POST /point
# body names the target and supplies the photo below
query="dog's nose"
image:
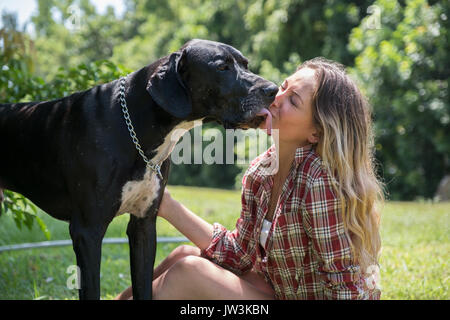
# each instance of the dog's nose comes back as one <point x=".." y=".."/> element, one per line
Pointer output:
<point x="270" y="91"/>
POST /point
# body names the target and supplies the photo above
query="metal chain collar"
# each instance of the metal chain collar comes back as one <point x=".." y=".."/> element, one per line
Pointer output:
<point x="155" y="167"/>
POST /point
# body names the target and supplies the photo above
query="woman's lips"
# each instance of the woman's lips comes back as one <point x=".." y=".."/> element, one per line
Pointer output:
<point x="268" y="119"/>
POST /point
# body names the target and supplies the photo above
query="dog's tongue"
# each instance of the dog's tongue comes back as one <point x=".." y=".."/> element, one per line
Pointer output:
<point x="268" y="121"/>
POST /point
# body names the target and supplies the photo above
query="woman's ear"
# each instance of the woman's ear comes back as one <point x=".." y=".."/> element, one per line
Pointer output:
<point x="314" y="137"/>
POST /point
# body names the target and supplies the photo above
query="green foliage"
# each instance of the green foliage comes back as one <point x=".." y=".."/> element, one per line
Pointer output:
<point x="16" y="60"/>
<point x="405" y="69"/>
<point x="82" y="77"/>
<point x="23" y="212"/>
<point x="275" y="35"/>
<point x="70" y="33"/>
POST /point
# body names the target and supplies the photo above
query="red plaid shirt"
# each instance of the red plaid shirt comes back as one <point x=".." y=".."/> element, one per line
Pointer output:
<point x="307" y="253"/>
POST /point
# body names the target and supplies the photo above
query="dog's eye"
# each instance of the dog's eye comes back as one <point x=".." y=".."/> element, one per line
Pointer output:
<point x="223" y="67"/>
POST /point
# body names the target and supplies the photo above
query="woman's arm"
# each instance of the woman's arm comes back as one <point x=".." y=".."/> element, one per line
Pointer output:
<point x="196" y="229"/>
<point x="226" y="248"/>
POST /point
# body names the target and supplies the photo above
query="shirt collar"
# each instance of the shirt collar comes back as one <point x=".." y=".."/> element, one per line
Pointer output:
<point x="302" y="152"/>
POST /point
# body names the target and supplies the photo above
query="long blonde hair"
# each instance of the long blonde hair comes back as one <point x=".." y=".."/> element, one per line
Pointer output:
<point x="346" y="145"/>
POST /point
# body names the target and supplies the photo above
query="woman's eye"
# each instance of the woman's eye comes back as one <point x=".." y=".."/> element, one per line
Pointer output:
<point x="291" y="99"/>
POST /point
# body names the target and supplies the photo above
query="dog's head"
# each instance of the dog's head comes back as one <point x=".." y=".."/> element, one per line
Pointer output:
<point x="207" y="79"/>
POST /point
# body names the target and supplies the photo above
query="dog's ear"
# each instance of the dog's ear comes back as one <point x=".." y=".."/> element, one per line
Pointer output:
<point x="167" y="88"/>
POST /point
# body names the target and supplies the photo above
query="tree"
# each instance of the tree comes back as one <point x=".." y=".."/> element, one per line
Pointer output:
<point x="69" y="33"/>
<point x="404" y="68"/>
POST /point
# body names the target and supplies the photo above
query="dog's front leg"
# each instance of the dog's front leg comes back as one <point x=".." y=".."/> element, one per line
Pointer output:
<point x="87" y="244"/>
<point x="142" y="239"/>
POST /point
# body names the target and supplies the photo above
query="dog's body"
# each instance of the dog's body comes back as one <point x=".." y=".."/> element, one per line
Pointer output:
<point x="74" y="157"/>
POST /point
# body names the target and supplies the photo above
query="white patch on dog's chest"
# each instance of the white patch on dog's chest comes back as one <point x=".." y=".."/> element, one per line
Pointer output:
<point x="138" y="195"/>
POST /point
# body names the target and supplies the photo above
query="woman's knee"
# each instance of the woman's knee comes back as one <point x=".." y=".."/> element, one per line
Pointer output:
<point x="180" y="252"/>
<point x="178" y="278"/>
<point x="190" y="264"/>
<point x="185" y="250"/>
<point x="190" y="269"/>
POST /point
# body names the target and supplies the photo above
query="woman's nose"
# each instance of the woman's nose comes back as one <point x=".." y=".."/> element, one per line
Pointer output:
<point x="276" y="102"/>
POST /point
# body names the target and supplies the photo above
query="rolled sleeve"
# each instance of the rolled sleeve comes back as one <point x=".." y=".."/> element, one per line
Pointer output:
<point x="226" y="249"/>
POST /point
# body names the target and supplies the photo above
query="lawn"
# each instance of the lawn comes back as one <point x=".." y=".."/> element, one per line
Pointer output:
<point x="414" y="261"/>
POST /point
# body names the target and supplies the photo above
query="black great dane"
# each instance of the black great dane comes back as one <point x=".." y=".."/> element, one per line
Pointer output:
<point x="75" y="157"/>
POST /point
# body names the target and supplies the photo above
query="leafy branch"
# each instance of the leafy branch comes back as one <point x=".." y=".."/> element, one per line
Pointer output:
<point x="23" y="212"/>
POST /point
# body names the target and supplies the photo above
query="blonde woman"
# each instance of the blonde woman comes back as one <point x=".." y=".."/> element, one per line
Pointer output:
<point x="309" y="231"/>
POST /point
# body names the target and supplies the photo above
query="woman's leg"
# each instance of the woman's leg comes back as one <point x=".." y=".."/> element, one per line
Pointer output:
<point x="194" y="277"/>
<point x="195" y="274"/>
<point x="177" y="254"/>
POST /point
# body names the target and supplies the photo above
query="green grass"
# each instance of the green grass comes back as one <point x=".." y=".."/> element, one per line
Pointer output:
<point x="414" y="261"/>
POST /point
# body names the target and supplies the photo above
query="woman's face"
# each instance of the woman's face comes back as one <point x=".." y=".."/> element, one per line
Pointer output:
<point x="292" y="109"/>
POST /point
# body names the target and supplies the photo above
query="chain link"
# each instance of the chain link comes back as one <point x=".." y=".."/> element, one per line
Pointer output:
<point x="123" y="103"/>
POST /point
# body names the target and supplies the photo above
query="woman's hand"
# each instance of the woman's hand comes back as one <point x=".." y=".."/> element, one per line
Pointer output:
<point x="184" y="220"/>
